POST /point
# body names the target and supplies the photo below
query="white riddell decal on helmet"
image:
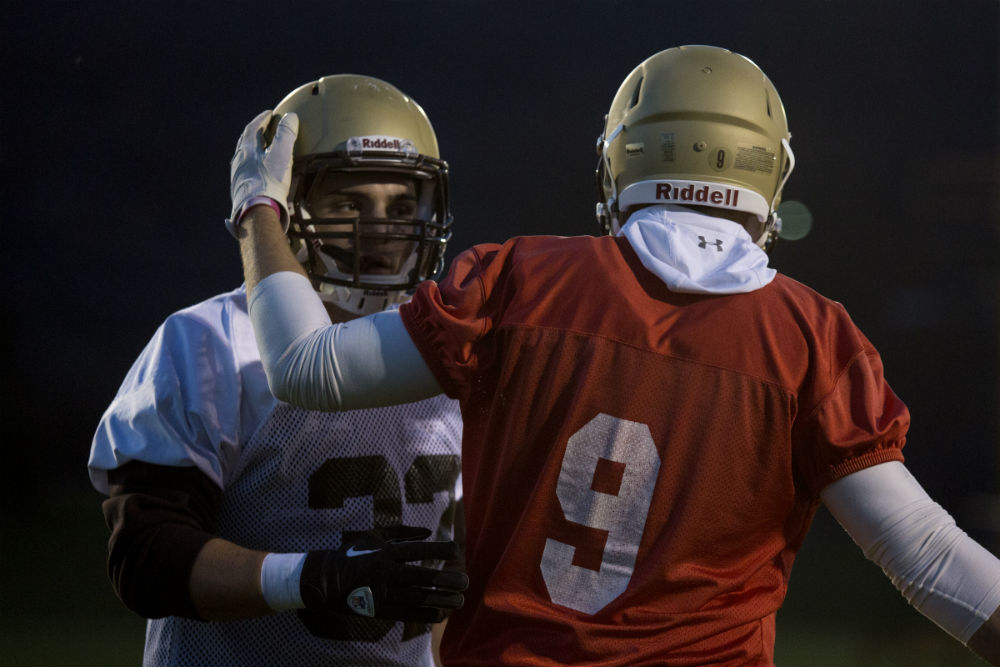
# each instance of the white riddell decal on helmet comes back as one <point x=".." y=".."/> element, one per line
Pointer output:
<point x="728" y="197"/>
<point x="381" y="143"/>
<point x="694" y="193"/>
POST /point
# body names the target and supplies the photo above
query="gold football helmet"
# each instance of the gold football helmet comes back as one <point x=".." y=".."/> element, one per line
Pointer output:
<point x="362" y="128"/>
<point x="699" y="126"/>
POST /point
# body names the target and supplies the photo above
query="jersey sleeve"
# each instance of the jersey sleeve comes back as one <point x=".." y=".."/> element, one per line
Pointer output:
<point x="178" y="405"/>
<point x="856" y="421"/>
<point x="448" y="321"/>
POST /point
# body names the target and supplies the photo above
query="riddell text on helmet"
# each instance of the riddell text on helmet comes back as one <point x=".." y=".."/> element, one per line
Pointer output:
<point x="728" y="197"/>
<point x="382" y="143"/>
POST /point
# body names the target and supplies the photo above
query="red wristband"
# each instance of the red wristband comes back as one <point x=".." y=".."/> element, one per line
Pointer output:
<point x="260" y="200"/>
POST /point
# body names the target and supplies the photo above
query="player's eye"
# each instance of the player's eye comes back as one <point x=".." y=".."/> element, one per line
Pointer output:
<point x="338" y="208"/>
<point x="403" y="209"/>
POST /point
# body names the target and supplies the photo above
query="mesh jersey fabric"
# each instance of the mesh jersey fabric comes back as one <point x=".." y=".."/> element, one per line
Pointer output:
<point x="293" y="480"/>
<point x="644" y="464"/>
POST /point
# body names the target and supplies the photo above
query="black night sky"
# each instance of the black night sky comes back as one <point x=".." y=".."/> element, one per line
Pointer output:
<point x="119" y="119"/>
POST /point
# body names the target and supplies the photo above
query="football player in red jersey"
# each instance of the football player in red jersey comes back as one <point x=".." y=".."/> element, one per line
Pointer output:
<point x="227" y="504"/>
<point x="651" y="417"/>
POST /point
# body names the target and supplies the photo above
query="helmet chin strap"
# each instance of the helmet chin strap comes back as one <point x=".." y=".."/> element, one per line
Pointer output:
<point x="607" y="211"/>
<point x="772" y="227"/>
<point x="788" y="172"/>
<point x="765" y="240"/>
<point x="358" y="301"/>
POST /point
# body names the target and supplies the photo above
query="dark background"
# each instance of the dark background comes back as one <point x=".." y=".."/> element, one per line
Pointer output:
<point x="119" y="120"/>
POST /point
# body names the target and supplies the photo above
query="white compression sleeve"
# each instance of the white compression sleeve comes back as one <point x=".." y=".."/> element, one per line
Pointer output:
<point x="364" y="363"/>
<point x="940" y="570"/>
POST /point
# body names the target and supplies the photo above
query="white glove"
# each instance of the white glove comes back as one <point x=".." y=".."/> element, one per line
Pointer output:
<point x="257" y="170"/>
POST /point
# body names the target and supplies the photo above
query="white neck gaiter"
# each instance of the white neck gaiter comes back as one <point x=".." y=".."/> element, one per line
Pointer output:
<point x="695" y="253"/>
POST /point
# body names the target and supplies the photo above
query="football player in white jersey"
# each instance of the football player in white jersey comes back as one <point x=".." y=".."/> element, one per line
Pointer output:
<point x="250" y="531"/>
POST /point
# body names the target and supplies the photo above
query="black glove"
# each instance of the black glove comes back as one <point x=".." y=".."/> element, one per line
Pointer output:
<point x="370" y="576"/>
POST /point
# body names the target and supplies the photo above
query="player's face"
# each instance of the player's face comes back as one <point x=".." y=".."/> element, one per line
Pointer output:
<point x="372" y="197"/>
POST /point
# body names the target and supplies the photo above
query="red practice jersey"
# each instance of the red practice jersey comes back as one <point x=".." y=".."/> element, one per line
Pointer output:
<point x="640" y="466"/>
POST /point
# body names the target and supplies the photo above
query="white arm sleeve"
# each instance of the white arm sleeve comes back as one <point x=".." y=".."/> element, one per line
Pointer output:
<point x="364" y="363"/>
<point x="939" y="569"/>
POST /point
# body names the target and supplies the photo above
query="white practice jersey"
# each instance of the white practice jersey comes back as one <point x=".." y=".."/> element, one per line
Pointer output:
<point x="292" y="480"/>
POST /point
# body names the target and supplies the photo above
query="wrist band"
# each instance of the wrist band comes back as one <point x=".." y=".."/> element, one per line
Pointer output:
<point x="279" y="581"/>
<point x="257" y="201"/>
